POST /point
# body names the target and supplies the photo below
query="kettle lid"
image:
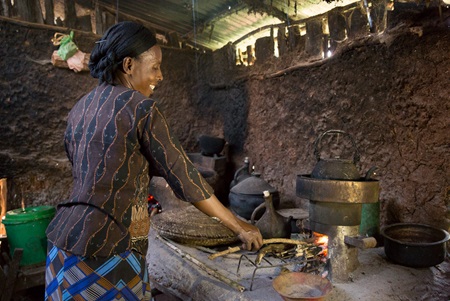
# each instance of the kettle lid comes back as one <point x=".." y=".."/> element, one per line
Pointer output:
<point x="253" y="185"/>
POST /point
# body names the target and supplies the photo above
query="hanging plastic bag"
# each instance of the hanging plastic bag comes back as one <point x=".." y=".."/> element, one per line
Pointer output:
<point x="67" y="46"/>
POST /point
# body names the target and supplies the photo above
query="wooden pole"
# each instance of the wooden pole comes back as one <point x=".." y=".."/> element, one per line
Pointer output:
<point x="211" y="271"/>
<point x="3" y="195"/>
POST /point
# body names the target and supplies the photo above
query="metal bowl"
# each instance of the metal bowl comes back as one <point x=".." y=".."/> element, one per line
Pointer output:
<point x="301" y="286"/>
<point x="415" y="245"/>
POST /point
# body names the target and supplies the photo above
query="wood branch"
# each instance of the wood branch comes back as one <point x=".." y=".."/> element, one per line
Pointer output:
<point x="70" y="20"/>
<point x="204" y="267"/>
<point x="3" y="203"/>
<point x="283" y="241"/>
<point x="225" y="252"/>
<point x="347" y="46"/>
<point x="361" y="242"/>
<point x="6" y="8"/>
<point x="49" y="12"/>
<point x="265" y="242"/>
<point x="29" y="10"/>
<point x="43" y="26"/>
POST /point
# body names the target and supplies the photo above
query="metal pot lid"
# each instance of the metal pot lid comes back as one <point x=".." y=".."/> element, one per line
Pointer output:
<point x="253" y="185"/>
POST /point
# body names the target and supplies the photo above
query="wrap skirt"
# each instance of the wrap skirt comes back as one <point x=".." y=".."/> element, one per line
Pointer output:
<point x="119" y="277"/>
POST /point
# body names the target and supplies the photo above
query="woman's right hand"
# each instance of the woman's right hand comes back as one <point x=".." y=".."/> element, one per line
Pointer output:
<point x="247" y="233"/>
<point x="250" y="236"/>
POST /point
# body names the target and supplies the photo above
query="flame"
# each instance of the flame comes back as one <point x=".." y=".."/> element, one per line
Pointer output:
<point x="322" y="241"/>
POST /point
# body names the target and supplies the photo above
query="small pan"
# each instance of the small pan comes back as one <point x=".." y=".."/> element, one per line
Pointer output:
<point x="293" y="286"/>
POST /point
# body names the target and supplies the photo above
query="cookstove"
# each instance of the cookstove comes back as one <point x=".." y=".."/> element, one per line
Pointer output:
<point x="336" y="194"/>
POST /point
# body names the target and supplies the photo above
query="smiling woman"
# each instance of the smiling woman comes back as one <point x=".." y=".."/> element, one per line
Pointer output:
<point x="116" y="139"/>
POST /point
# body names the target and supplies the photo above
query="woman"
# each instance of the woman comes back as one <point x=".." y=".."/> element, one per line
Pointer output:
<point x="116" y="138"/>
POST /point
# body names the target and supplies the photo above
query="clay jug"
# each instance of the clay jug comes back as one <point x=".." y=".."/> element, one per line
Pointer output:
<point x="271" y="224"/>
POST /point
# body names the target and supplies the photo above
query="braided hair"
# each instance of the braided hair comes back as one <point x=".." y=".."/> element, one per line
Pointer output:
<point x="124" y="39"/>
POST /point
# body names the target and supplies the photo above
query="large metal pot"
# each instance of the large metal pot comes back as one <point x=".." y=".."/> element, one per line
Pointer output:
<point x="415" y="245"/>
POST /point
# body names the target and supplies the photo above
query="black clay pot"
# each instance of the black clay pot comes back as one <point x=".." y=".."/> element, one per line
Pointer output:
<point x="415" y="245"/>
<point x="211" y="145"/>
<point x="248" y="194"/>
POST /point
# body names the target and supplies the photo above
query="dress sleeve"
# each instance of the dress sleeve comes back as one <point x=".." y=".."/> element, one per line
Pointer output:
<point x="164" y="152"/>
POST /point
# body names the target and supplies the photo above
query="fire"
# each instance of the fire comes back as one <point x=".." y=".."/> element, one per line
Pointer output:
<point x="322" y="241"/>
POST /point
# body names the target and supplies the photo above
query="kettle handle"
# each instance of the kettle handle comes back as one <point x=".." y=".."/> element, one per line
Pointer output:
<point x="356" y="155"/>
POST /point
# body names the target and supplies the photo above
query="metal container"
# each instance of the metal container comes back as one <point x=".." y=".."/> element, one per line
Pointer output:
<point x="415" y="245"/>
<point x="335" y="168"/>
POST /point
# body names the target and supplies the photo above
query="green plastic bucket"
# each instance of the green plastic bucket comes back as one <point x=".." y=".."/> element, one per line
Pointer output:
<point x="25" y="229"/>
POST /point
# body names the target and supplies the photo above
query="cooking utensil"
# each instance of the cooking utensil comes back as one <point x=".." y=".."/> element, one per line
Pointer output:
<point x="246" y="195"/>
<point x="271" y="224"/>
<point x="335" y="168"/>
<point x="415" y="245"/>
<point x="294" y="286"/>
<point x="211" y="145"/>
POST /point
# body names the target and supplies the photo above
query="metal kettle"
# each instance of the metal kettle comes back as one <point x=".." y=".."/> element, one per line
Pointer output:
<point x="335" y="168"/>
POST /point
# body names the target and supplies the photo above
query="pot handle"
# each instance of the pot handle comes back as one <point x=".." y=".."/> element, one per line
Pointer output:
<point x="241" y="169"/>
<point x="252" y="218"/>
<point x="356" y="155"/>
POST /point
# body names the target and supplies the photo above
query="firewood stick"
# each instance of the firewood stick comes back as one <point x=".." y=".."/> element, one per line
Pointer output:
<point x="204" y="267"/>
<point x="225" y="252"/>
<point x="265" y="241"/>
<point x="3" y="203"/>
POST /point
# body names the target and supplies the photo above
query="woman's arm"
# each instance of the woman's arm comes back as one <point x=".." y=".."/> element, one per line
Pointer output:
<point x="248" y="234"/>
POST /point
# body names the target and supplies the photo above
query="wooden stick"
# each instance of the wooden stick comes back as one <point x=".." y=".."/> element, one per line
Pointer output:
<point x="283" y="241"/>
<point x="204" y="267"/>
<point x="265" y="242"/>
<point x="225" y="252"/>
<point x="3" y="203"/>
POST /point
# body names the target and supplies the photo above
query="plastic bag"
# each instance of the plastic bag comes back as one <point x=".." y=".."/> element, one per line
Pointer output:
<point x="67" y="47"/>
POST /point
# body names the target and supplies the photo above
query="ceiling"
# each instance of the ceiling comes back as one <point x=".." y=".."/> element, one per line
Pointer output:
<point x="211" y="24"/>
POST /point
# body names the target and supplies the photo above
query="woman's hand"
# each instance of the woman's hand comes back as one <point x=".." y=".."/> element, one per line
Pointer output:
<point x="250" y="236"/>
<point x="247" y="233"/>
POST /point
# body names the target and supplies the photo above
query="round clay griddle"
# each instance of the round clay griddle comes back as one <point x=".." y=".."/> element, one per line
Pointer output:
<point x="188" y="225"/>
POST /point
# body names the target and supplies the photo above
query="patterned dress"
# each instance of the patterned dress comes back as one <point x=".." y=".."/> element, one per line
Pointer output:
<point x="116" y="138"/>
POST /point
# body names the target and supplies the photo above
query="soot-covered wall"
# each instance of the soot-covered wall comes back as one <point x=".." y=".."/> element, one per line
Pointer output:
<point x="390" y="92"/>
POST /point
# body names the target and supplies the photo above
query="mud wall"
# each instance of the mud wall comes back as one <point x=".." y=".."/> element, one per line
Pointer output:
<point x="390" y="92"/>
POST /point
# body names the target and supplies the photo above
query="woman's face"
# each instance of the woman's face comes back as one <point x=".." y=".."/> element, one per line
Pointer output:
<point x="144" y="71"/>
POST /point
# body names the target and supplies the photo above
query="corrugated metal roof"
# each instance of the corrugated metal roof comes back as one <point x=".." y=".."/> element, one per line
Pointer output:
<point x="212" y="24"/>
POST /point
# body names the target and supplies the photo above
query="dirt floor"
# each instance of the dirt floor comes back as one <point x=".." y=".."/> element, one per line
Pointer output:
<point x="377" y="279"/>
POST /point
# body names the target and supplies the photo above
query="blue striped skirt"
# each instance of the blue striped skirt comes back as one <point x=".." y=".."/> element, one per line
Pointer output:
<point x="71" y="277"/>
